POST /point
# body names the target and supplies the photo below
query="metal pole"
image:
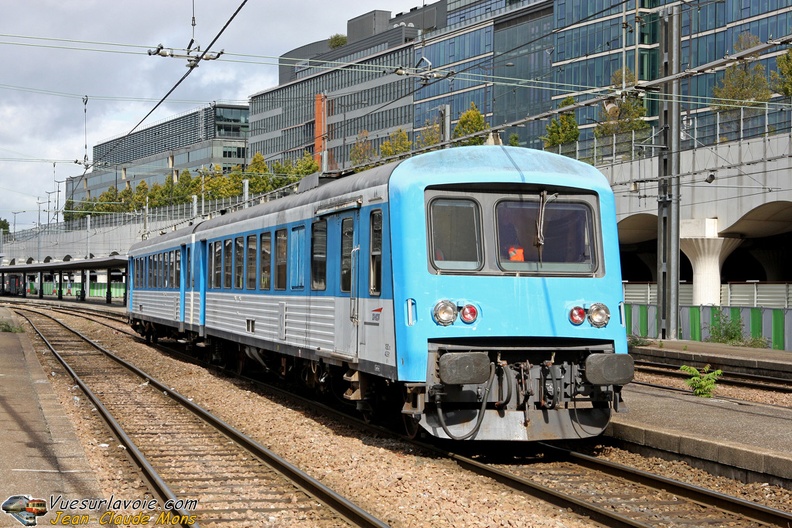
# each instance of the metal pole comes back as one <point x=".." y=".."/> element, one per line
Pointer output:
<point x="668" y="184"/>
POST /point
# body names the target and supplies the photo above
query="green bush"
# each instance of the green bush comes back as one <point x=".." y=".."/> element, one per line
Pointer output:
<point x="5" y="326"/>
<point x="702" y="382"/>
<point x="730" y="331"/>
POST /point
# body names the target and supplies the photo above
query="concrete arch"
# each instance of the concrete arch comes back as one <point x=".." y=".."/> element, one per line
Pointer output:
<point x="769" y="219"/>
<point x="637" y="228"/>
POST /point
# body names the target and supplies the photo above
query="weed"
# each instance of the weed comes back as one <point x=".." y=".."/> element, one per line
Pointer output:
<point x="730" y="331"/>
<point x="5" y="326"/>
<point x="636" y="340"/>
<point x="702" y="382"/>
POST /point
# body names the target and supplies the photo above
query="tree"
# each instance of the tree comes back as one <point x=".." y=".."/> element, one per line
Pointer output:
<point x="622" y="114"/>
<point x="743" y="84"/>
<point x="564" y="129"/>
<point x="4" y="228"/>
<point x="470" y="122"/>
<point x="336" y="41"/>
<point x="397" y="143"/>
<point x="430" y="135"/>
<point x="362" y="152"/>
<point x="514" y="140"/>
<point x="782" y="79"/>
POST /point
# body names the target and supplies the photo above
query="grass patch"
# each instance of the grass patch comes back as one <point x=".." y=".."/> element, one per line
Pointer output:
<point x="5" y="326"/>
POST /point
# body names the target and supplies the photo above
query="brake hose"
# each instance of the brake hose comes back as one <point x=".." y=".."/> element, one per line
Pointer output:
<point x="479" y="420"/>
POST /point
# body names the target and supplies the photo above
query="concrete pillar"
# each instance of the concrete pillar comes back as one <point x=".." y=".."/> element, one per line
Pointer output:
<point x="706" y="251"/>
<point x="706" y="257"/>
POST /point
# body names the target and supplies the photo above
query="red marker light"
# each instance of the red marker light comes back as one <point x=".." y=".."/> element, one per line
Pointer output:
<point x="577" y="315"/>
<point x="469" y="313"/>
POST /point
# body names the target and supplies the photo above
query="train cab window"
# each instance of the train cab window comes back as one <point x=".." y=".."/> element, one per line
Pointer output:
<point x="281" y="246"/>
<point x="228" y="261"/>
<point x="239" y="262"/>
<point x="265" y="258"/>
<point x="250" y="267"/>
<point x="455" y="241"/>
<point x="319" y="255"/>
<point x="375" y="253"/>
<point x="545" y="235"/>
<point x="347" y="245"/>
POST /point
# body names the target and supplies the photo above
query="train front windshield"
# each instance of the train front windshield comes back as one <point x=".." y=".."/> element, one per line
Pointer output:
<point x="538" y="233"/>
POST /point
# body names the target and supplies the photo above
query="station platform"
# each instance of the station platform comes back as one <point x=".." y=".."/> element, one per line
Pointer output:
<point x="751" y="440"/>
<point x="42" y="456"/>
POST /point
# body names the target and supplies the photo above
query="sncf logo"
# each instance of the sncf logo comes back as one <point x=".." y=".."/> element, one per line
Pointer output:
<point x="375" y="314"/>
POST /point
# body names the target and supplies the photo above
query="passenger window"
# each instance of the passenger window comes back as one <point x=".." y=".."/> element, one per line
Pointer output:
<point x="455" y="240"/>
<point x="251" y="262"/>
<point x="188" y="272"/>
<point x="375" y="253"/>
<point x="297" y="260"/>
<point x="177" y="270"/>
<point x="239" y="262"/>
<point x="217" y="263"/>
<point x="280" y="259"/>
<point x="265" y="250"/>
<point x="319" y="255"/>
<point x="347" y="245"/>
<point x="227" y="262"/>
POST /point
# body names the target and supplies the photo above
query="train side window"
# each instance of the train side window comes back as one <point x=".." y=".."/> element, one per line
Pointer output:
<point x="375" y="253"/>
<point x="265" y="249"/>
<point x="217" y="260"/>
<point x="347" y="244"/>
<point x="297" y="258"/>
<point x="150" y="281"/>
<point x="188" y="272"/>
<point x="455" y="234"/>
<point x="167" y="269"/>
<point x="177" y="270"/>
<point x="281" y="253"/>
<point x="227" y="262"/>
<point x="160" y="270"/>
<point x="250" y="268"/>
<point x="319" y="255"/>
<point x="239" y="262"/>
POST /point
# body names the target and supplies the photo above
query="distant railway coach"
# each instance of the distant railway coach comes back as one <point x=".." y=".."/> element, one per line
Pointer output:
<point x="475" y="290"/>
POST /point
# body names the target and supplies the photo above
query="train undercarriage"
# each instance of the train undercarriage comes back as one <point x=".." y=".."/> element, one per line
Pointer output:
<point x="501" y="392"/>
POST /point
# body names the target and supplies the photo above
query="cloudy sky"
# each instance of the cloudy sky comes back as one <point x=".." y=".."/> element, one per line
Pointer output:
<point x="55" y="53"/>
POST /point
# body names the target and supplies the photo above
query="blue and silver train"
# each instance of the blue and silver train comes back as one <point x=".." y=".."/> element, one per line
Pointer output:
<point x="475" y="290"/>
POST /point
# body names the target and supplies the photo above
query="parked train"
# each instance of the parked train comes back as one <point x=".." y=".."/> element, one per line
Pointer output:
<point x="477" y="290"/>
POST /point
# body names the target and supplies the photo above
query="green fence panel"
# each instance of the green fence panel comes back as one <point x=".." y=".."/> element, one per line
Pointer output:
<point x="643" y="320"/>
<point x="756" y="322"/>
<point x="695" y="323"/>
<point x="778" y="337"/>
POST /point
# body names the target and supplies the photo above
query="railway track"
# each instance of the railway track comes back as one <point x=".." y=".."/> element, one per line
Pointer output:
<point x="208" y="472"/>
<point x="615" y="495"/>
<point x="619" y="496"/>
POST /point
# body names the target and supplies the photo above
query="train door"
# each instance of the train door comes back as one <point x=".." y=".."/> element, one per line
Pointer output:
<point x="347" y="284"/>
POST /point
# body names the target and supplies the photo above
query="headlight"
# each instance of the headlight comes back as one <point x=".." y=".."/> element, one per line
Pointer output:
<point x="445" y="312"/>
<point x="598" y="315"/>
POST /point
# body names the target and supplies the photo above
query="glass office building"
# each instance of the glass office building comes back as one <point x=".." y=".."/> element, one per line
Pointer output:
<point x="215" y="135"/>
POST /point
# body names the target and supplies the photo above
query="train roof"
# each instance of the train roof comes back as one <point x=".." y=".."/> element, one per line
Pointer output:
<point x="528" y="165"/>
<point x="347" y="184"/>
